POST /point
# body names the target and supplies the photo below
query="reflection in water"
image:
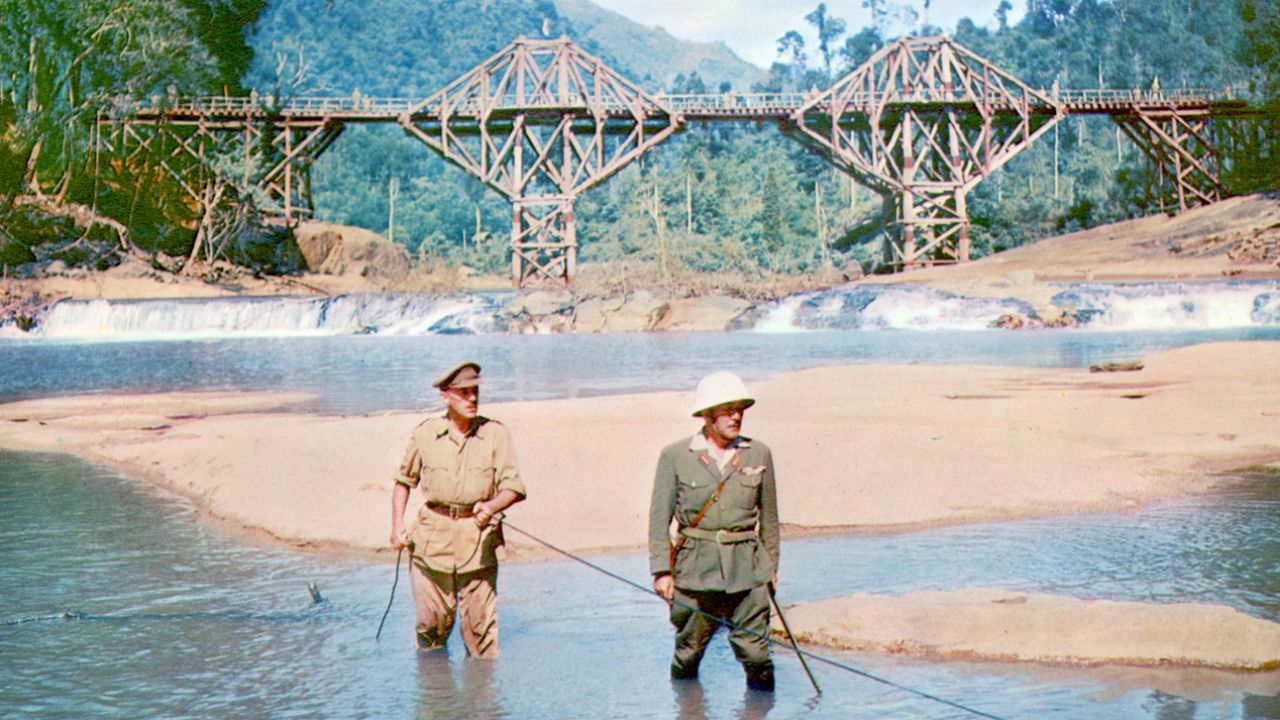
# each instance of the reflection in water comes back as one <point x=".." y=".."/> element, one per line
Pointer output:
<point x="467" y="689"/>
<point x="692" y="704"/>
<point x="192" y="624"/>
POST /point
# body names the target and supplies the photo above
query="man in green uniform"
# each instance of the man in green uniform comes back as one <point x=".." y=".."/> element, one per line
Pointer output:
<point x="719" y="488"/>
<point x="465" y="465"/>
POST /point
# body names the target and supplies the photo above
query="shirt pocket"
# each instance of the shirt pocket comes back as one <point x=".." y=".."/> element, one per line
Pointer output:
<point x="746" y="489"/>
<point x="692" y="492"/>
<point x="479" y="483"/>
<point x="435" y="475"/>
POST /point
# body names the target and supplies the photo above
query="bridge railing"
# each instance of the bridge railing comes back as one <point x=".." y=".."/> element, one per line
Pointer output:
<point x="685" y="103"/>
<point x="1116" y="95"/>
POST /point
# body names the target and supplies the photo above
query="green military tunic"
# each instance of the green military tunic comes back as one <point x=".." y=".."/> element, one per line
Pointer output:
<point x="735" y="546"/>
<point x="465" y="473"/>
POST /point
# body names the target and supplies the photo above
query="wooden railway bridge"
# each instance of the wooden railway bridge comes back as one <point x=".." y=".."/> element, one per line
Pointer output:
<point x="923" y="121"/>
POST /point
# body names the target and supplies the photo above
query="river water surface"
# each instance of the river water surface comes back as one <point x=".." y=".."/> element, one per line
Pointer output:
<point x="117" y="602"/>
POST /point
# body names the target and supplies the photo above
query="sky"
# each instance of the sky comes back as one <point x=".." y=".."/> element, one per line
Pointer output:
<point x="751" y="28"/>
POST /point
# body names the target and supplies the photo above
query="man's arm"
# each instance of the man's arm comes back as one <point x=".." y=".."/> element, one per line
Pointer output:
<point x="510" y="488"/>
<point x="769" y="513"/>
<point x="399" y="498"/>
<point x="486" y="509"/>
<point x="661" y="510"/>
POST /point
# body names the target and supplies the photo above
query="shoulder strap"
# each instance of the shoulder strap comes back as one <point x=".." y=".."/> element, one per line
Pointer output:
<point x="680" y="538"/>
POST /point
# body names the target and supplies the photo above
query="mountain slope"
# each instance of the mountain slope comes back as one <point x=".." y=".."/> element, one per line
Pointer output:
<point x="653" y="54"/>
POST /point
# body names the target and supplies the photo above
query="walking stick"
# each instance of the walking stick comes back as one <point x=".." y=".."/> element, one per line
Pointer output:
<point x="390" y="600"/>
<point x="794" y="645"/>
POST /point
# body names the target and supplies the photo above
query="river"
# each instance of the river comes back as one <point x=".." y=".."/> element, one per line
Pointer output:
<point x="119" y="602"/>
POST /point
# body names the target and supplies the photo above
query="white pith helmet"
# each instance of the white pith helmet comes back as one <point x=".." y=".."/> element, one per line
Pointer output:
<point x="720" y="388"/>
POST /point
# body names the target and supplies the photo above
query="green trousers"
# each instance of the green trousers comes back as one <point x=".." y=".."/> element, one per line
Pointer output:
<point x="748" y="610"/>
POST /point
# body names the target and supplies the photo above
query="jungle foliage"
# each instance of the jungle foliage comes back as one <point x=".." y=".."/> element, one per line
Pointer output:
<point x="737" y="198"/>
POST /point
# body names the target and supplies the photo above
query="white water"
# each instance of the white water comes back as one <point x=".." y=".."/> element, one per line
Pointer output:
<point x="1166" y="306"/>
<point x="1146" y="306"/>
<point x="270" y="317"/>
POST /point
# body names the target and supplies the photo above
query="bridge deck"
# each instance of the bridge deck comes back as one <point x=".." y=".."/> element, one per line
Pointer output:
<point x="692" y="107"/>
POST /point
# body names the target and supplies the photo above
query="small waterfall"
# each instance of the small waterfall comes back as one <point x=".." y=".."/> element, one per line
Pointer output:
<point x="884" y="307"/>
<point x="1172" y="306"/>
<point x="271" y="316"/>
<point x="1097" y="306"/>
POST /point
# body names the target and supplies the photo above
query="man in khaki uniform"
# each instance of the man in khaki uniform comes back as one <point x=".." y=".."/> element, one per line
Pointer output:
<point x="465" y="465"/>
<point x="727" y="547"/>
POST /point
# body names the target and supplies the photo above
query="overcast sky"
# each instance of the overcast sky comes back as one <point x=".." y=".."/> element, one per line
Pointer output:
<point x="751" y="28"/>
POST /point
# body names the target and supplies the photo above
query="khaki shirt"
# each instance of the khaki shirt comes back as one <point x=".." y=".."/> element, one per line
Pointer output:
<point x="444" y="470"/>
<point x="686" y="478"/>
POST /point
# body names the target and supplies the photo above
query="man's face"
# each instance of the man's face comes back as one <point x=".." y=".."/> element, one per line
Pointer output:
<point x="724" y="422"/>
<point x="462" y="402"/>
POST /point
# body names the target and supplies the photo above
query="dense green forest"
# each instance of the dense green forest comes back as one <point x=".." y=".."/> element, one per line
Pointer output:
<point x="728" y="197"/>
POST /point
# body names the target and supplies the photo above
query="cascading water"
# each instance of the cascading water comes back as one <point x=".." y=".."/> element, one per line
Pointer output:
<point x="885" y="307"/>
<point x="1163" y="306"/>
<point x="1097" y="306"/>
<point x="265" y="317"/>
<point x="1140" y="306"/>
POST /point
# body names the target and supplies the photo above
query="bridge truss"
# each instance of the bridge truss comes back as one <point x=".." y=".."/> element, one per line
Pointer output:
<point x="923" y="121"/>
<point x="541" y="122"/>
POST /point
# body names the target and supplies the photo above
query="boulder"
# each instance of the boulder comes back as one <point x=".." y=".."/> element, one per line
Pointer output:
<point x="538" y="312"/>
<point x="331" y="249"/>
<point x="639" y="311"/>
<point x="715" y="312"/>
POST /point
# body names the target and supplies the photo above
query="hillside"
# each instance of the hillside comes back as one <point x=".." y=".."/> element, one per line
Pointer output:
<point x="652" y="53"/>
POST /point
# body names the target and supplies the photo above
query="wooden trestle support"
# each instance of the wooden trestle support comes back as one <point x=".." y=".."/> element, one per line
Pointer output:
<point x="1184" y="167"/>
<point x="233" y="140"/>
<point x="923" y="121"/>
<point x="541" y="122"/>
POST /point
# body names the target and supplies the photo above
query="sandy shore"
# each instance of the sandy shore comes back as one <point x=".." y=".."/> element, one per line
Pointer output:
<point x="858" y="448"/>
<point x="985" y="624"/>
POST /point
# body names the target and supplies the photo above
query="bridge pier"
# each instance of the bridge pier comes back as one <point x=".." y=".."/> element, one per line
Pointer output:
<point x="1183" y="159"/>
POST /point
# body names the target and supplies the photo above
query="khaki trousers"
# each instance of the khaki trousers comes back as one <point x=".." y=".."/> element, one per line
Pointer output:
<point x="440" y="596"/>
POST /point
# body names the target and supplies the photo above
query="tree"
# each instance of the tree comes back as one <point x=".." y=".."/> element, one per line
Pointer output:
<point x="64" y="60"/>
<point x="829" y="31"/>
<point x="791" y="50"/>
<point x="1002" y="14"/>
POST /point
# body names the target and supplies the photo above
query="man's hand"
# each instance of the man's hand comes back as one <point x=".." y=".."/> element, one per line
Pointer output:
<point x="399" y="538"/>
<point x="664" y="586"/>
<point x="483" y="513"/>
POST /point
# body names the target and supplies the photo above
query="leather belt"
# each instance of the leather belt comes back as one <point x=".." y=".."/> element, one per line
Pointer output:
<point x="720" y="537"/>
<point x="453" y="511"/>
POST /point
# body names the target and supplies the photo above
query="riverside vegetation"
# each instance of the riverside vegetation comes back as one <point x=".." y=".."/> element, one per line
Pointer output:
<point x="729" y="207"/>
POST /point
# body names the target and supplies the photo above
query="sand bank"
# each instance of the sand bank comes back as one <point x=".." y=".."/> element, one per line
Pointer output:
<point x="984" y="624"/>
<point x="857" y="447"/>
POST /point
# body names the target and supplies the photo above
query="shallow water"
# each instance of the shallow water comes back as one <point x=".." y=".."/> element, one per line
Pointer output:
<point x="355" y="374"/>
<point x="181" y="620"/>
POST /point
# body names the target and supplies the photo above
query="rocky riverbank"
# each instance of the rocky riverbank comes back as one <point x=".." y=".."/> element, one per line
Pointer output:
<point x="1236" y="239"/>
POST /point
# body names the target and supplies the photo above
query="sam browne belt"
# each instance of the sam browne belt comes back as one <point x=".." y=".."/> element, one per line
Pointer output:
<point x="722" y="537"/>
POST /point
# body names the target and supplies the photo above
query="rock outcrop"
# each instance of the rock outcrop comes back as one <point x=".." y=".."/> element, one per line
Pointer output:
<point x="331" y="249"/>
